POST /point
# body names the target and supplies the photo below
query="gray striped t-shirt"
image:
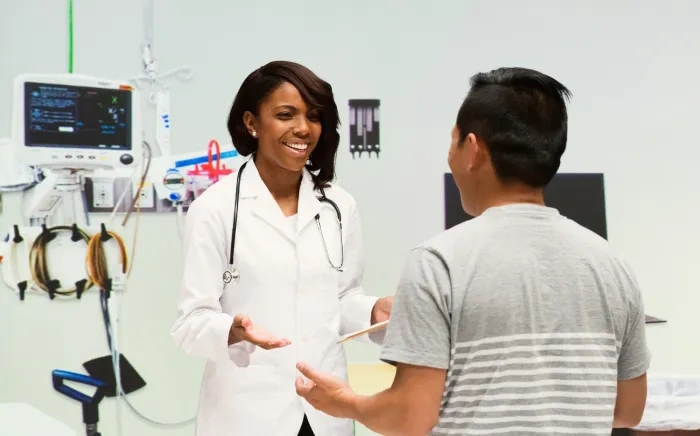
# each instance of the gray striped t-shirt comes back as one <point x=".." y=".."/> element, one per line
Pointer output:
<point x="534" y="318"/>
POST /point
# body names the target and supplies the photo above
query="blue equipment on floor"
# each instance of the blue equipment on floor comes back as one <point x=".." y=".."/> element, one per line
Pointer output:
<point x="90" y="403"/>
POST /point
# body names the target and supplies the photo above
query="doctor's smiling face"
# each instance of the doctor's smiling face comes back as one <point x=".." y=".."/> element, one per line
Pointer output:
<point x="287" y="116"/>
<point x="287" y="128"/>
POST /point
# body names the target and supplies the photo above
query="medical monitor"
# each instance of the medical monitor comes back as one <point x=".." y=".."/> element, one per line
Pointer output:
<point x="578" y="196"/>
<point x="75" y="121"/>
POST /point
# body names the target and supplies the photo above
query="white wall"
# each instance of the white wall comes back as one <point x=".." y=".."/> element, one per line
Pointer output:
<point x="632" y="67"/>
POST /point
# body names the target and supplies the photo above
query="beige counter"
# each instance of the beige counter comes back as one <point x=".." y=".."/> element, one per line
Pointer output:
<point x="368" y="379"/>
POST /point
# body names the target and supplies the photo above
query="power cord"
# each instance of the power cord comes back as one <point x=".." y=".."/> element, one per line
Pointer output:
<point x="148" y="157"/>
<point x="98" y="271"/>
<point x="111" y="334"/>
<point x="112" y="340"/>
<point x="137" y="198"/>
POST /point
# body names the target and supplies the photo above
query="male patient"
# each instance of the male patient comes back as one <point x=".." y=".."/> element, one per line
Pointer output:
<point x="518" y="321"/>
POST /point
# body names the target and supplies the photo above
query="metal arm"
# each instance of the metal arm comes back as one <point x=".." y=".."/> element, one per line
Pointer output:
<point x="57" y="200"/>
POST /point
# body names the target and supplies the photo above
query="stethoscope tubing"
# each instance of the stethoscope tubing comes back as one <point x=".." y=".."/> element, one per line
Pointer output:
<point x="322" y="198"/>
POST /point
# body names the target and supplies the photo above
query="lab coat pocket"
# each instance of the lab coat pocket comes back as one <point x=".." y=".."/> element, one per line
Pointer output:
<point x="261" y="379"/>
<point x="247" y="400"/>
<point x="230" y="381"/>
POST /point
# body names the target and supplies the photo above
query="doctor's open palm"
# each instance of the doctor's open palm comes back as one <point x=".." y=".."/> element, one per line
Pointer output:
<point x="243" y="329"/>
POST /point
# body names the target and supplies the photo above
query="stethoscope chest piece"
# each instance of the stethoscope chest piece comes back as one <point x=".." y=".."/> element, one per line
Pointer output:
<point x="232" y="275"/>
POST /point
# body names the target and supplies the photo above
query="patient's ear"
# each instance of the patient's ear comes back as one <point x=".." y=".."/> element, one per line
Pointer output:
<point x="477" y="153"/>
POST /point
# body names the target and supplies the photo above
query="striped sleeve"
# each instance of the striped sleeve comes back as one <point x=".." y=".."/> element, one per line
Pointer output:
<point x="419" y="327"/>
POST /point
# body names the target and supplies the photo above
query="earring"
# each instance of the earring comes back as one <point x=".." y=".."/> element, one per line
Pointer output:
<point x="255" y="134"/>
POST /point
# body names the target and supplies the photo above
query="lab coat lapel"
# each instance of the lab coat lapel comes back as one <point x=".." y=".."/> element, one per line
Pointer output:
<point x="309" y="205"/>
<point x="264" y="207"/>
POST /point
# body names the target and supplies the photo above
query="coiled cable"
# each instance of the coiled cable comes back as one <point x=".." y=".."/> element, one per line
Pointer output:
<point x="39" y="267"/>
<point x="96" y="260"/>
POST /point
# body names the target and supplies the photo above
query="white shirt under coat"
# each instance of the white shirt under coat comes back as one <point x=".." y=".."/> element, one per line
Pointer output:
<point x="286" y="286"/>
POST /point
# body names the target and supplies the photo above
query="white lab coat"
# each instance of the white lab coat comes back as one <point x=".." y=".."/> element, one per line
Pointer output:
<point x="286" y="286"/>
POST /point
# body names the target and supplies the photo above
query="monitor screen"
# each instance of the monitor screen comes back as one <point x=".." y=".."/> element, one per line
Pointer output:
<point x="578" y="196"/>
<point x="67" y="116"/>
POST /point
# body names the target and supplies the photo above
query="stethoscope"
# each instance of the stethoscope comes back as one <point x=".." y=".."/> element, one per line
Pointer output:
<point x="232" y="273"/>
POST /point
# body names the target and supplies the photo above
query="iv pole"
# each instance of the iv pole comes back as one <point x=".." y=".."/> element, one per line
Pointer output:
<point x="152" y="76"/>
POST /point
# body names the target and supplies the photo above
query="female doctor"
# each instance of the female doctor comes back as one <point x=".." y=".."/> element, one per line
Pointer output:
<point x="286" y="284"/>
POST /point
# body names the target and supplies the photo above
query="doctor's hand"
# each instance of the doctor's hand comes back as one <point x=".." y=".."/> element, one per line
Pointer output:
<point x="243" y="329"/>
<point x="325" y="392"/>
<point x="382" y="310"/>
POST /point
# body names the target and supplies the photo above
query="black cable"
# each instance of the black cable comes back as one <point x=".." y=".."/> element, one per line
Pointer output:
<point x="104" y="303"/>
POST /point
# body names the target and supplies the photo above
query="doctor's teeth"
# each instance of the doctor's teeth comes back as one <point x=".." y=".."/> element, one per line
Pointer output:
<point x="297" y="146"/>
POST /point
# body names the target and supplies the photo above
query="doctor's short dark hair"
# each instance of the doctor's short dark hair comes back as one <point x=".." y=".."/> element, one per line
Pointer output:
<point x="317" y="94"/>
<point x="520" y="115"/>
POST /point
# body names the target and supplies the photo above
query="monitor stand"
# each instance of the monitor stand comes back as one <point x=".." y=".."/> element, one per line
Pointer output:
<point x="59" y="199"/>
